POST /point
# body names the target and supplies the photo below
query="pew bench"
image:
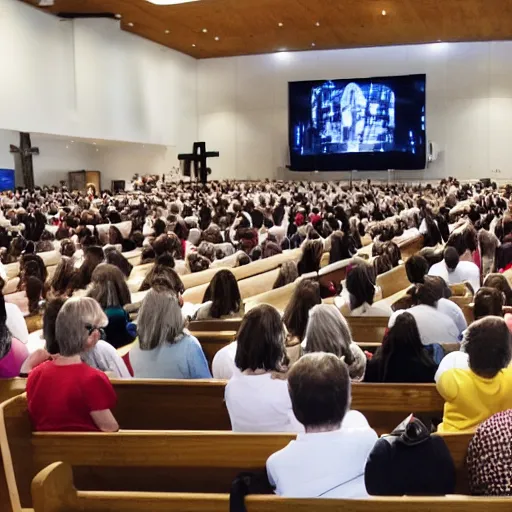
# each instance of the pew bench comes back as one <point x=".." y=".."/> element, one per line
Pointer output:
<point x="53" y="490"/>
<point x="179" y="461"/>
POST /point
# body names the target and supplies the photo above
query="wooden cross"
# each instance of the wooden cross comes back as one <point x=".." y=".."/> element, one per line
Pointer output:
<point x="198" y="157"/>
<point x="26" y="151"/>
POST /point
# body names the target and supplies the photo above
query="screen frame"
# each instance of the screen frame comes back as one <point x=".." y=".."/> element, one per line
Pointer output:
<point x="366" y="161"/>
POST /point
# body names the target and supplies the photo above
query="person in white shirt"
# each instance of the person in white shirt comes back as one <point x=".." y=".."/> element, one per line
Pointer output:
<point x="454" y="271"/>
<point x="361" y="289"/>
<point x="328" y="460"/>
<point x="16" y="322"/>
<point x="434" y="326"/>
<point x="257" y="396"/>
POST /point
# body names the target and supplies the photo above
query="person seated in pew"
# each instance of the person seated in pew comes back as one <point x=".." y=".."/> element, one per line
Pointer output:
<point x="434" y="326"/>
<point x="165" y="349"/>
<point x="416" y="268"/>
<point x="401" y="357"/>
<point x="222" y="298"/>
<point x="343" y="247"/>
<point x="102" y="356"/>
<point x="288" y="273"/>
<point x="64" y="281"/>
<point x="361" y="289"/>
<point x="489" y="459"/>
<point x="13" y="352"/>
<point x="257" y="396"/>
<point x="454" y="271"/>
<point x="109" y="288"/>
<point x="474" y="394"/>
<point x="311" y="257"/>
<point x="446" y="306"/>
<point x="500" y="283"/>
<point x="65" y="394"/>
<point x="328" y="460"/>
<point x="93" y="257"/>
<point x="296" y="315"/>
<point x="328" y="331"/>
<point x="15" y="320"/>
<point x="114" y="257"/>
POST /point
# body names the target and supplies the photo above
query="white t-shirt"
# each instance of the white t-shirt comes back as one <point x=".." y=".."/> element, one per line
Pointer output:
<point x="452" y="310"/>
<point x="223" y="365"/>
<point x="434" y="326"/>
<point x="260" y="403"/>
<point x="16" y="323"/>
<point x="327" y="464"/>
<point x="465" y="271"/>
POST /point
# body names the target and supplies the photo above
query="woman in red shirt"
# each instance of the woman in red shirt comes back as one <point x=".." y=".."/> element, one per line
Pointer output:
<point x="65" y="394"/>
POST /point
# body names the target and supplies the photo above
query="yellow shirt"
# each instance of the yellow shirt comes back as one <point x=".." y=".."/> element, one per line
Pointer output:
<point x="470" y="399"/>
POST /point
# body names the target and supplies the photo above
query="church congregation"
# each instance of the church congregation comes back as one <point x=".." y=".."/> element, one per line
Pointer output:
<point x="255" y="256"/>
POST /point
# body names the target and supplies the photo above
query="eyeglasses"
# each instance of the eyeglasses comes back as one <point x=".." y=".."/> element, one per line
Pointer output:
<point x="91" y="328"/>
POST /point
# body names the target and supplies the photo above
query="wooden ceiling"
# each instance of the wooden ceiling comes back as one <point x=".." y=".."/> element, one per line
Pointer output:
<point x="253" y="26"/>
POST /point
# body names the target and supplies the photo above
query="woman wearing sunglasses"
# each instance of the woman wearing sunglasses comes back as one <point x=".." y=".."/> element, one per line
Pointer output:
<point x="64" y="393"/>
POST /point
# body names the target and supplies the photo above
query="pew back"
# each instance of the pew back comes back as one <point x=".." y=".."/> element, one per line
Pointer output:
<point x="53" y="491"/>
<point x="393" y="281"/>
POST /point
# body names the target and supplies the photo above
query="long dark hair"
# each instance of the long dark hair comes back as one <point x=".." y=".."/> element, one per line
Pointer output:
<point x="296" y="314"/>
<point x="361" y="285"/>
<point x="311" y="257"/>
<point x="402" y="339"/>
<point x="225" y="294"/>
<point x="342" y="247"/>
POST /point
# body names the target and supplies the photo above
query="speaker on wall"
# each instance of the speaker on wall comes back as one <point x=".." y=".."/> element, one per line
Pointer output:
<point x="118" y="185"/>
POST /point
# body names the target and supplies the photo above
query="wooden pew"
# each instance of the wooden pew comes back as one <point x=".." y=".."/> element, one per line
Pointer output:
<point x="150" y="461"/>
<point x="213" y="341"/>
<point x="53" y="490"/>
<point x="410" y="247"/>
<point x="393" y="281"/>
<point x="254" y="285"/>
<point x="368" y="329"/>
<point x="278" y="298"/>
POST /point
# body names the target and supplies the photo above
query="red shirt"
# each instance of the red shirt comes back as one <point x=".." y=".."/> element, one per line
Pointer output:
<point x="61" y="398"/>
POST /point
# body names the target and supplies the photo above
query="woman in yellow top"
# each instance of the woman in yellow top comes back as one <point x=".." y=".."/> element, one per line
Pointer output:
<point x="485" y="388"/>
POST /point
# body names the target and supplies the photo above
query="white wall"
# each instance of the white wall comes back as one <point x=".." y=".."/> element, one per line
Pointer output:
<point x="87" y="78"/>
<point x="243" y="105"/>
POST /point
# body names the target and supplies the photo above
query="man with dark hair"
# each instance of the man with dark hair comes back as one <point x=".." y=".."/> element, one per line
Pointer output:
<point x="329" y="459"/>
<point x="416" y="268"/>
<point x="488" y="302"/>
<point x="474" y="393"/>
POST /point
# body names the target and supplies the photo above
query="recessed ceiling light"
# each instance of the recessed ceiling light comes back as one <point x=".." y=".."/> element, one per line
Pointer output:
<point x="205" y="30"/>
<point x="130" y="24"/>
<point x="439" y="40"/>
<point x="193" y="45"/>
<point x="72" y="142"/>
<point x="280" y="24"/>
<point x="317" y="23"/>
<point x="94" y="143"/>
<point x="170" y="2"/>
<point x="119" y="16"/>
<point x="383" y="12"/>
<point x="313" y="44"/>
<point x="167" y="31"/>
<point x="217" y="38"/>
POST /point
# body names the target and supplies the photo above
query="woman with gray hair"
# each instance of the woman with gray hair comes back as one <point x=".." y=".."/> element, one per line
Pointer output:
<point x="328" y="331"/>
<point x="165" y="350"/>
<point x="66" y="394"/>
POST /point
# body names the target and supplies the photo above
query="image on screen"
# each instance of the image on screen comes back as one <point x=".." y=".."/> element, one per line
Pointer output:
<point x="380" y="119"/>
<point x="6" y="179"/>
